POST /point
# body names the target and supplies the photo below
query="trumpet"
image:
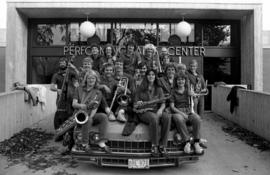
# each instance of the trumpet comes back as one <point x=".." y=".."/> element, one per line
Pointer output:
<point x="202" y="93"/>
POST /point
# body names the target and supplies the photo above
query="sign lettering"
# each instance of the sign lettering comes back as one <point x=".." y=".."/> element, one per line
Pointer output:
<point x="173" y="51"/>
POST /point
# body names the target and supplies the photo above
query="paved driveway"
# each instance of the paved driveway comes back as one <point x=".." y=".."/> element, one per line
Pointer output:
<point x="225" y="155"/>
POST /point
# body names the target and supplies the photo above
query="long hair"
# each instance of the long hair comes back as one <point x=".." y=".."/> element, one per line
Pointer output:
<point x="111" y="46"/>
<point x="182" y="76"/>
<point x="170" y="65"/>
<point x="131" y="43"/>
<point x="145" y="83"/>
<point x="90" y="73"/>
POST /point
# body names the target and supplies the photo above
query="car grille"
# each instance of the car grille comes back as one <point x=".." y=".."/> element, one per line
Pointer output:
<point x="137" y="147"/>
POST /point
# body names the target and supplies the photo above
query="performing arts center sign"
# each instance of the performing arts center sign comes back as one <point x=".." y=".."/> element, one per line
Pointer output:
<point x="174" y="51"/>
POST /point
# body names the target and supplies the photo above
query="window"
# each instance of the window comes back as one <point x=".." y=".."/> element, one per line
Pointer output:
<point x="188" y="39"/>
<point x="222" y="69"/>
<point x="141" y="33"/>
<point x="43" y="69"/>
<point x="164" y="33"/>
<point x="216" y="35"/>
<point x="50" y="34"/>
<point x="102" y="34"/>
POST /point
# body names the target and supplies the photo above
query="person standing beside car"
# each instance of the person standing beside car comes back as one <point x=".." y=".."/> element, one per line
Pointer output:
<point x="198" y="84"/>
<point x="63" y="82"/>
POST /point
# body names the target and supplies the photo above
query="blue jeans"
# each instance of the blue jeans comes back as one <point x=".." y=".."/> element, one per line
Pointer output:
<point x="99" y="119"/>
<point x="199" y="105"/>
<point x="151" y="119"/>
<point x="181" y="127"/>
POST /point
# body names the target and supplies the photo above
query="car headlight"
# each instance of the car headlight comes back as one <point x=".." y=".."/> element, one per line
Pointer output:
<point x="94" y="137"/>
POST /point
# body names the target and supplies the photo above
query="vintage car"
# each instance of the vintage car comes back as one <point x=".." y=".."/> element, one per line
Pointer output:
<point x="133" y="152"/>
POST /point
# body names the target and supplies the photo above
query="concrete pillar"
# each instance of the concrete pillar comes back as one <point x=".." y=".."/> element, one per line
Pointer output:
<point x="16" y="50"/>
<point x="251" y="49"/>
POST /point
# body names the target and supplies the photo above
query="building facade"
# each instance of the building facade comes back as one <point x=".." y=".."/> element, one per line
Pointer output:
<point x="226" y="38"/>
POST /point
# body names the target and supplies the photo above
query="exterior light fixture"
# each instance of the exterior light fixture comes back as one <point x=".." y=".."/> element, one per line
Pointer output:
<point x="87" y="29"/>
<point x="183" y="29"/>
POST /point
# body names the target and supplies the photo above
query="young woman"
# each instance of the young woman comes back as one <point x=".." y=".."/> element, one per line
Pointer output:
<point x="84" y="95"/>
<point x="153" y="116"/>
<point x="181" y="113"/>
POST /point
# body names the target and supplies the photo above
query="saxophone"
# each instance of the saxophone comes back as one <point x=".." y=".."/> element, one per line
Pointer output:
<point x="141" y="108"/>
<point x="80" y="117"/>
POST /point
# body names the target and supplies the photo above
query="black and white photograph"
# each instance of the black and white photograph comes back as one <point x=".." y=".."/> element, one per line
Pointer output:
<point x="116" y="87"/>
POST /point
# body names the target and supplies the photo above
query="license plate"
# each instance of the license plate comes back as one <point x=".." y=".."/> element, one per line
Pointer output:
<point x="138" y="163"/>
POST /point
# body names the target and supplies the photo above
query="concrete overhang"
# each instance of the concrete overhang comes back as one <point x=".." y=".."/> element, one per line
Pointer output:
<point x="133" y="9"/>
<point x="132" y="13"/>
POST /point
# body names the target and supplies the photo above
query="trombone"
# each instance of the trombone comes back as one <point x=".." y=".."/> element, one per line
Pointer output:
<point x="122" y="82"/>
<point x="123" y="99"/>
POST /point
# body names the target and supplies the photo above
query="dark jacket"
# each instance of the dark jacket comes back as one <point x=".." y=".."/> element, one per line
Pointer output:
<point x="233" y="97"/>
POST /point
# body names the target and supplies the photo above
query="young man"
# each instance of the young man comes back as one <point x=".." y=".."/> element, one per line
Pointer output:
<point x="164" y="58"/>
<point x="130" y="58"/>
<point x="98" y="61"/>
<point x="108" y="84"/>
<point x="120" y="75"/>
<point x="198" y="84"/>
<point x="86" y="67"/>
<point x="64" y="83"/>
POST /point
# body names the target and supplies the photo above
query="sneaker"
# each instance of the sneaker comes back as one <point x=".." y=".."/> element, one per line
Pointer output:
<point x="187" y="148"/>
<point x="154" y="151"/>
<point x="86" y="148"/>
<point x="112" y="118"/>
<point x="121" y="116"/>
<point x="106" y="149"/>
<point x="198" y="148"/>
<point x="163" y="151"/>
<point x="65" y="152"/>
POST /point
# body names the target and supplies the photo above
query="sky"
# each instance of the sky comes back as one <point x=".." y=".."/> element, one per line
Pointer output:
<point x="266" y="12"/>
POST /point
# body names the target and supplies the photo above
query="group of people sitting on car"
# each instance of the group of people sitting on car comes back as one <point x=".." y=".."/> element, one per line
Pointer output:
<point x="156" y="89"/>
